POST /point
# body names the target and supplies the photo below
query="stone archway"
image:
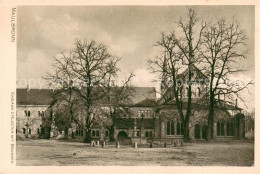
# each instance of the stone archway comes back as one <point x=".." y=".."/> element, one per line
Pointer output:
<point x="122" y="137"/>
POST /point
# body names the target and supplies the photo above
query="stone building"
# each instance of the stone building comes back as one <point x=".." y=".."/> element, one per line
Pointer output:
<point x="35" y="117"/>
<point x="33" y="114"/>
<point x="140" y="123"/>
<point x="228" y="119"/>
<point x="150" y="118"/>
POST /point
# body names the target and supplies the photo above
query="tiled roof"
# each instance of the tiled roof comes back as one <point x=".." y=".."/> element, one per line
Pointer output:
<point x="43" y="96"/>
<point x="146" y="103"/>
<point x="33" y="96"/>
<point x="142" y="93"/>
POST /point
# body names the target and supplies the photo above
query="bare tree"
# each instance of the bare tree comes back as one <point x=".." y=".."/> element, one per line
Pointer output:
<point x="250" y="121"/>
<point x="66" y="106"/>
<point x="179" y="51"/>
<point x="223" y="48"/>
<point x="64" y="100"/>
<point x="84" y="68"/>
<point x="117" y="100"/>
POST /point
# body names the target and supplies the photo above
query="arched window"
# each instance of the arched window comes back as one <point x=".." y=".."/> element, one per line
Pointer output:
<point x="172" y="128"/>
<point x="228" y="128"/>
<point x="222" y="129"/>
<point x="178" y="128"/>
<point x="231" y="128"/>
<point x="218" y="128"/>
<point x="168" y="127"/>
<point x="30" y="131"/>
<point x="24" y="130"/>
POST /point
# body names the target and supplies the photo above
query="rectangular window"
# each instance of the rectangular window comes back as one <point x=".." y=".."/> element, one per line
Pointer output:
<point x="93" y="133"/>
<point x="148" y="133"/>
<point x="29" y="113"/>
<point x="79" y="132"/>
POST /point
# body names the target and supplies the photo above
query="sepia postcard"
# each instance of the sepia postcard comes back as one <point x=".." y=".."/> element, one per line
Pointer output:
<point x="129" y="86"/>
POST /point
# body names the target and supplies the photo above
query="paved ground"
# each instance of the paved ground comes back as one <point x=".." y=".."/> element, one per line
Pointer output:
<point x="51" y="152"/>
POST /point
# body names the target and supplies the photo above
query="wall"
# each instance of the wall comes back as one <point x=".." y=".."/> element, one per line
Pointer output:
<point x="34" y="122"/>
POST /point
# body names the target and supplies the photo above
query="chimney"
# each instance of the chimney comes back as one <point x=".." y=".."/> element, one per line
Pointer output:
<point x="27" y="88"/>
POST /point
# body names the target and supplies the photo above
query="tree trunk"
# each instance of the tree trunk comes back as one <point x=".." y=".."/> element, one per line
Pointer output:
<point x="186" y="133"/>
<point x="186" y="136"/>
<point x="88" y="137"/>
<point x="111" y="133"/>
<point x="210" y="118"/>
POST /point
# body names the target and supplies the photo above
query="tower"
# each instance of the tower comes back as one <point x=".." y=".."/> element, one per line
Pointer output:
<point x="164" y="79"/>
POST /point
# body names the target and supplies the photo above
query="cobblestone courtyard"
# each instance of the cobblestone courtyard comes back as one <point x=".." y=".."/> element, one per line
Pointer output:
<point x="51" y="152"/>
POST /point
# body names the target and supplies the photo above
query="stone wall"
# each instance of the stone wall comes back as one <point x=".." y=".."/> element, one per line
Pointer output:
<point x="33" y="126"/>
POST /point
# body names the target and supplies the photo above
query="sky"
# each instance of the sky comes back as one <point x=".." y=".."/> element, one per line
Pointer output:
<point x="129" y="32"/>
